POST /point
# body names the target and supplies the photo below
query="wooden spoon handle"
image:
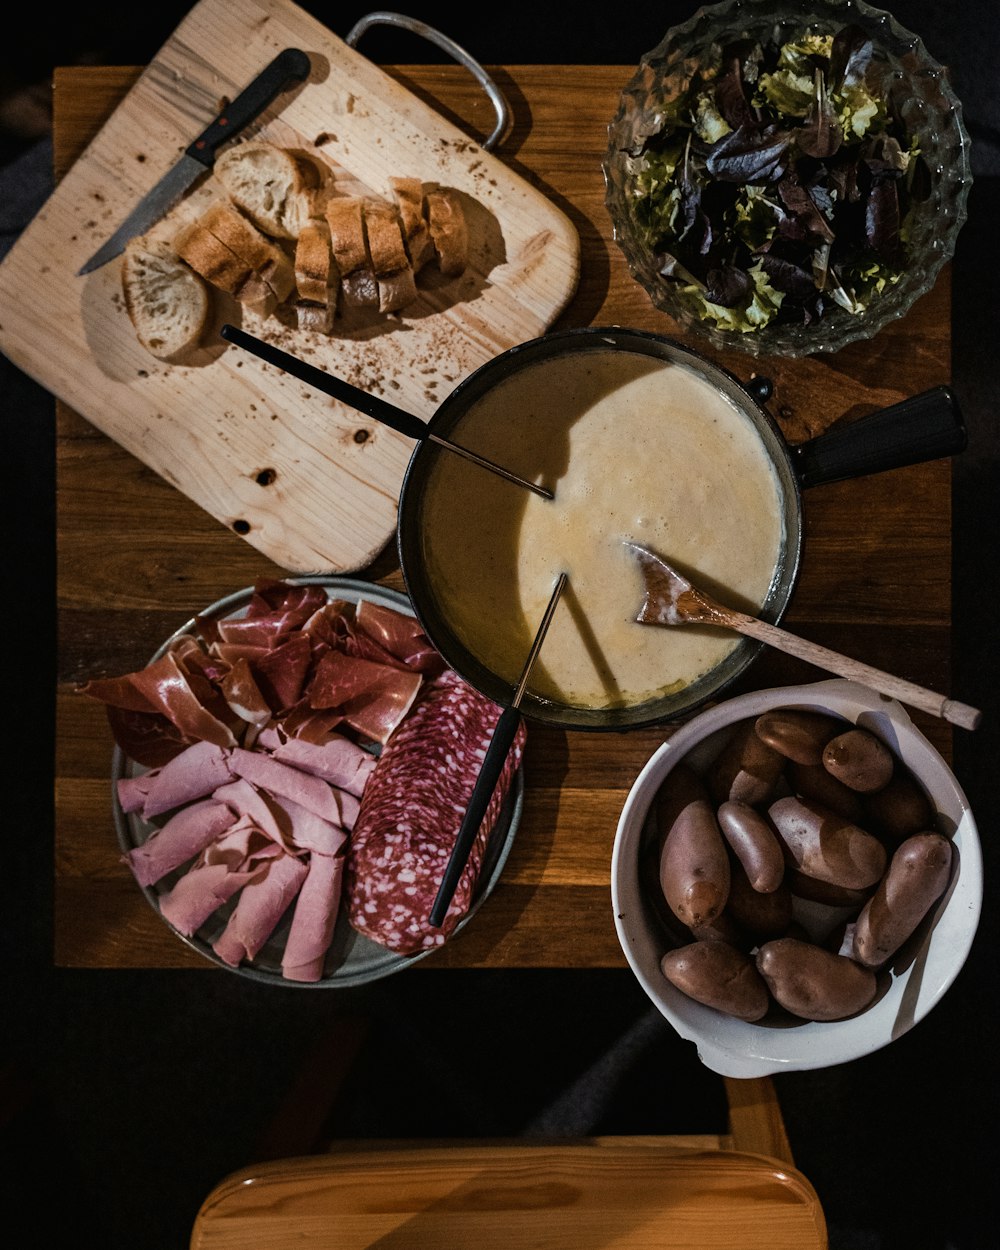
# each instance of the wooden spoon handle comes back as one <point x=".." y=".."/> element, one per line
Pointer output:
<point x="905" y="691"/>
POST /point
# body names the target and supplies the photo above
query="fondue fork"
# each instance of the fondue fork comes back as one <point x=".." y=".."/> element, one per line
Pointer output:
<point x="672" y="600"/>
<point x="397" y="419"/>
<point x="496" y="754"/>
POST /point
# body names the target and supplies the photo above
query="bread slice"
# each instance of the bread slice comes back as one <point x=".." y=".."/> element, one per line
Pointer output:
<point x="264" y="258"/>
<point x="316" y="274"/>
<point x="449" y="231"/>
<point x="215" y="262"/>
<point x="268" y="183"/>
<point x="345" y="218"/>
<point x="409" y="196"/>
<point x="396" y="290"/>
<point x="167" y="302"/>
<point x="385" y="237"/>
<point x="315" y="317"/>
<point x="358" y="284"/>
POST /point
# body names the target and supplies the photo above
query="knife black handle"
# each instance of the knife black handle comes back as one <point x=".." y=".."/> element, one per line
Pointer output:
<point x="289" y="66"/>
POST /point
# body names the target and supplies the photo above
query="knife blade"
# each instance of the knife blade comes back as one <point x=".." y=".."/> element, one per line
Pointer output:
<point x="290" y="66"/>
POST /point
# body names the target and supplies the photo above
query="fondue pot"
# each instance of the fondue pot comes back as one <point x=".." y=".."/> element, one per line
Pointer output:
<point x="925" y="427"/>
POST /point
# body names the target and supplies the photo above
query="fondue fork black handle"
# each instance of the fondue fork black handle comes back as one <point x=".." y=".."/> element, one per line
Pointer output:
<point x="397" y="419"/>
<point x="489" y="774"/>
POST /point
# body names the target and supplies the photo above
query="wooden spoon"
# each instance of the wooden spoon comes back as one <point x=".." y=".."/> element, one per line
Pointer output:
<point x="672" y="600"/>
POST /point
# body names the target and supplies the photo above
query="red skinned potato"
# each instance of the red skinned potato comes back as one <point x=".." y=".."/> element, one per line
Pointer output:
<point x="798" y="735"/>
<point x="900" y="809"/>
<point x="754" y="843"/>
<point x="720" y="976"/>
<point x="762" y="916"/>
<point x="824" y="892"/>
<point x="812" y="781"/>
<point x="813" y="983"/>
<point x="917" y="877"/>
<point x="859" y="760"/>
<point x="746" y="769"/>
<point x="822" y="844"/>
<point x="694" y="863"/>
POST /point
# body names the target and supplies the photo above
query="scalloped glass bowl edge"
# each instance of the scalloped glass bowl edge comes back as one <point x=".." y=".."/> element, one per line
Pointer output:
<point x="930" y="108"/>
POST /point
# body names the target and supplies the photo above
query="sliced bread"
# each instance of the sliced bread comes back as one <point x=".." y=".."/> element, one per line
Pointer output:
<point x="345" y="217"/>
<point x="449" y="231"/>
<point x="167" y="302"/>
<point x="409" y="196"/>
<point x="385" y="237"/>
<point x="396" y="290"/>
<point x="358" y="284"/>
<point x="316" y="274"/>
<point x="271" y="185"/>
<point x="215" y="262"/>
<point x="265" y="258"/>
<point x="317" y="318"/>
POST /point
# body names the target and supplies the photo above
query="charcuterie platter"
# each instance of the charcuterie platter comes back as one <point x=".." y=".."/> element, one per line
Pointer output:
<point x="206" y="838"/>
<point x="302" y="478"/>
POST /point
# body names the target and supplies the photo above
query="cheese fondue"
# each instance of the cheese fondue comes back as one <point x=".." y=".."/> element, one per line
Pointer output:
<point x="633" y="447"/>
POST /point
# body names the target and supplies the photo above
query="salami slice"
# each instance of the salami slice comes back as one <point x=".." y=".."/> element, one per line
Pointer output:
<point x="411" y="813"/>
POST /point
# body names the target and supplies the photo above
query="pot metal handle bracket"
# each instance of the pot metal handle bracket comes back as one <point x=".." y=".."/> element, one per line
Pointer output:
<point x="496" y="96"/>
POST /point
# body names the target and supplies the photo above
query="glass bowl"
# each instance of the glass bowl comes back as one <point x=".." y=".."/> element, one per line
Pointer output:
<point x="932" y="191"/>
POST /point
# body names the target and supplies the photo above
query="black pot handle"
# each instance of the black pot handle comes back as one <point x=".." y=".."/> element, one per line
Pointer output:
<point x="927" y="426"/>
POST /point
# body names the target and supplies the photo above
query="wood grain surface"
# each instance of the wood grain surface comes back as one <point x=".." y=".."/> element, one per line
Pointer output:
<point x="605" y="1192"/>
<point x="307" y="480"/>
<point x="137" y="558"/>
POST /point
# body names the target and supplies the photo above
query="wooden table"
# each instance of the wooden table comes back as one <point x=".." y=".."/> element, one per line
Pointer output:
<point x="136" y="559"/>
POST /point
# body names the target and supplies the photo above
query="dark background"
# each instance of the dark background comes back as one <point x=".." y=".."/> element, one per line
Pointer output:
<point x="127" y="1096"/>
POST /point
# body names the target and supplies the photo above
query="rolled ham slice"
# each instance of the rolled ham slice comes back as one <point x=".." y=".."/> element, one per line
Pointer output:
<point x="314" y="920"/>
<point x="339" y="761"/>
<point x="193" y="774"/>
<point x="259" y="909"/>
<point x="232" y="861"/>
<point x="266" y="773"/>
<point x="186" y="834"/>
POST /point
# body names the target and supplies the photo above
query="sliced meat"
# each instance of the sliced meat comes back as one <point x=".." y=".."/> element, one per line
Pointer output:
<point x="193" y="774"/>
<point x="259" y="910"/>
<point x="185" y="835"/>
<point x="412" y="810"/>
<point x="315" y="919"/>
<point x="338" y="761"/>
<point x="266" y="773"/>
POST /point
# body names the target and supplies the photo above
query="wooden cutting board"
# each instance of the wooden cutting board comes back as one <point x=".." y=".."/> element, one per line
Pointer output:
<point x="305" y="479"/>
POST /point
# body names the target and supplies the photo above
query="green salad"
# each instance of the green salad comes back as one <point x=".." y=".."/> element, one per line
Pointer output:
<point x="780" y="184"/>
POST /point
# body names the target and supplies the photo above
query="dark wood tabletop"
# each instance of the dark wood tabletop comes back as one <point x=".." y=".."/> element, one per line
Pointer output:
<point x="136" y="559"/>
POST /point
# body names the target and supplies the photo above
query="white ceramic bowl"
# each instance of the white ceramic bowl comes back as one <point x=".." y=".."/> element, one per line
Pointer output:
<point x="915" y="980"/>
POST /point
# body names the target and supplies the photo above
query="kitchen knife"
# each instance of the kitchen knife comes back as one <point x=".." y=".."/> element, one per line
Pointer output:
<point x="288" y="67"/>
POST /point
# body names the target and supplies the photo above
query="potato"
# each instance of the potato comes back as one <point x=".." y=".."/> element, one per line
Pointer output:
<point x="824" y="845"/>
<point x="859" y="760"/>
<point x="917" y="877"/>
<point x="762" y="916"/>
<point x="801" y="886"/>
<point x="694" y="862"/>
<point x="812" y="781"/>
<point x="800" y="736"/>
<point x="900" y="809"/>
<point x="746" y="769"/>
<point x="813" y="983"/>
<point x="754" y="843"/>
<point x="720" y="976"/>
